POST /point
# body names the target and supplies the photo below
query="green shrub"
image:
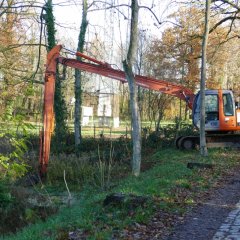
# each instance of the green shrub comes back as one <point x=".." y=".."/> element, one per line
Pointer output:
<point x="12" y="163"/>
<point x="167" y="135"/>
<point x="11" y="210"/>
<point x="5" y="196"/>
<point x="14" y="146"/>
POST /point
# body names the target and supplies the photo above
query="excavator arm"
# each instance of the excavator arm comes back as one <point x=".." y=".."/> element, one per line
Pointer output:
<point x="100" y="68"/>
<point x="145" y="82"/>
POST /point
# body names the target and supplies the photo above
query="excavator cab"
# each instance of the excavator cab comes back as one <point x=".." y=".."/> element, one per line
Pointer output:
<point x="220" y="113"/>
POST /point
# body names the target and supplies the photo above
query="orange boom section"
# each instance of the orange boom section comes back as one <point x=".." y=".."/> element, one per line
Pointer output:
<point x="100" y="68"/>
<point x="48" y="111"/>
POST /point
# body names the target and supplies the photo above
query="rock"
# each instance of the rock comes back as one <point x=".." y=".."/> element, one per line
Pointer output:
<point x="130" y="200"/>
<point x="192" y="165"/>
<point x="115" y="199"/>
<point x="76" y="235"/>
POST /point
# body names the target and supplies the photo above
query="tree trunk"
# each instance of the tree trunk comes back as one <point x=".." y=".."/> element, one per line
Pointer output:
<point x="128" y="68"/>
<point x="59" y="102"/>
<point x="203" y="145"/>
<point x="78" y="80"/>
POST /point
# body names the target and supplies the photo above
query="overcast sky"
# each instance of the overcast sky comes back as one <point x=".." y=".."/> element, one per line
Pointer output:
<point x="69" y="19"/>
<point x="110" y="28"/>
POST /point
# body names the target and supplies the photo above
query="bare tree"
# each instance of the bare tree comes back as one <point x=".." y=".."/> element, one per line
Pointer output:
<point x="203" y="145"/>
<point x="128" y="68"/>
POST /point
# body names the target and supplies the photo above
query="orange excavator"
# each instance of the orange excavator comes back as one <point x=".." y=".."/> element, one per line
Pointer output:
<point x="222" y="113"/>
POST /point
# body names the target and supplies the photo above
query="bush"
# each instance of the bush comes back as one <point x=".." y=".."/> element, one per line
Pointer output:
<point x="11" y="210"/>
<point x="6" y="198"/>
<point x="167" y="135"/>
<point x="12" y="164"/>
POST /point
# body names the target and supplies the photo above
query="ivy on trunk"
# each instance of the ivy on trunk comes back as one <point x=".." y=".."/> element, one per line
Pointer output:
<point x="59" y="102"/>
<point x="78" y="80"/>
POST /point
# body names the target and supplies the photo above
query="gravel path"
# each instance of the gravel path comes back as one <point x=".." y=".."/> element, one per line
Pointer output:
<point x="230" y="228"/>
<point x="216" y="218"/>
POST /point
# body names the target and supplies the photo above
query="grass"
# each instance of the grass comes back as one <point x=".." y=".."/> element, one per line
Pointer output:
<point x="89" y="131"/>
<point x="169" y="185"/>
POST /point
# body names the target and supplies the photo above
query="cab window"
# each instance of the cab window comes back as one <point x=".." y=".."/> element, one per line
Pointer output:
<point x="228" y="104"/>
<point x="211" y="103"/>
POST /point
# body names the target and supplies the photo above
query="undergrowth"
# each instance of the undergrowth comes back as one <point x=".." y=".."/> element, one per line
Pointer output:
<point x="169" y="185"/>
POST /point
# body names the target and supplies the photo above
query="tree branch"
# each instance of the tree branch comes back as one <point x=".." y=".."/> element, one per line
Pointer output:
<point x="10" y="47"/>
<point x="222" y="21"/>
<point x="229" y="3"/>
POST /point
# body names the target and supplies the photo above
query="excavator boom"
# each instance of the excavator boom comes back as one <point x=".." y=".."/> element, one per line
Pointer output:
<point x="145" y="82"/>
<point x="100" y="68"/>
<point x="222" y="116"/>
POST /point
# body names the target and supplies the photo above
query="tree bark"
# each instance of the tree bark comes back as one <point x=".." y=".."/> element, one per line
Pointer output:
<point x="78" y="80"/>
<point x="203" y="145"/>
<point x="128" y="68"/>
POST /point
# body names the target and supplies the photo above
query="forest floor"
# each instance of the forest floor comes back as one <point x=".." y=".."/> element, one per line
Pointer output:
<point x="201" y="221"/>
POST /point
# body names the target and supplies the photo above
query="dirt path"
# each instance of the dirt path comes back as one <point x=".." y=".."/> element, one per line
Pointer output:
<point x="205" y="220"/>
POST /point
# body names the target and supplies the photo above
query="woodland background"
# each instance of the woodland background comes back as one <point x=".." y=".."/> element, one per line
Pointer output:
<point x="89" y="162"/>
<point x="169" y="49"/>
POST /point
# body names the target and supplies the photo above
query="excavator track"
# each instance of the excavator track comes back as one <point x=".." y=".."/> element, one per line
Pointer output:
<point x="213" y="141"/>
